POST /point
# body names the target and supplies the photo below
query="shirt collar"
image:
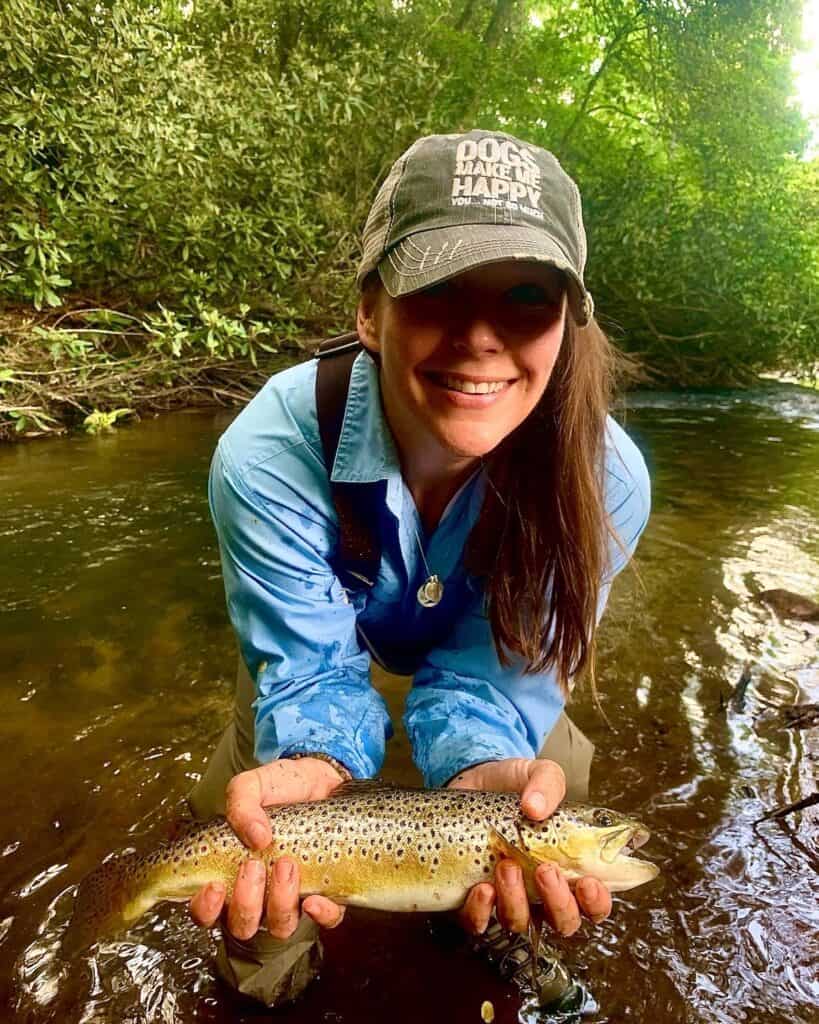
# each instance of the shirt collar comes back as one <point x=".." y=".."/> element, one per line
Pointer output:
<point x="366" y="450"/>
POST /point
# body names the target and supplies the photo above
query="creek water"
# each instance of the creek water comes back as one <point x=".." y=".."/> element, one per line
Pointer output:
<point x="116" y="675"/>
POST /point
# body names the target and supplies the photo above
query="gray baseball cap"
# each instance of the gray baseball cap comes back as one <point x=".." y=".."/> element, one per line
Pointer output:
<point x="453" y="202"/>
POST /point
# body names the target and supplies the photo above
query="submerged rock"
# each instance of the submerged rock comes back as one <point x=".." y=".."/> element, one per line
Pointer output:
<point x="789" y="605"/>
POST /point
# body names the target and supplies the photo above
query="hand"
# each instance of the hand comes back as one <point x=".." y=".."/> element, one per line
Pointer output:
<point x="280" y="782"/>
<point x="542" y="785"/>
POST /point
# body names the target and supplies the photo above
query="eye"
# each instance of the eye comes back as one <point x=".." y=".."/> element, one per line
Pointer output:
<point x="603" y="819"/>
<point x="529" y="295"/>
<point x="532" y="295"/>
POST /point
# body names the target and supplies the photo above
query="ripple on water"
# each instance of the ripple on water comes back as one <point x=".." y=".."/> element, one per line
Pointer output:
<point x="132" y="658"/>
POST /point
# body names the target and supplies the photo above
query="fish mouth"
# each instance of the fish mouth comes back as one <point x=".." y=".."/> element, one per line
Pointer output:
<point x="623" y="841"/>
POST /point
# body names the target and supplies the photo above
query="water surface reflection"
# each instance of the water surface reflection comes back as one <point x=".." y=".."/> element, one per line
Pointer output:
<point x="116" y="676"/>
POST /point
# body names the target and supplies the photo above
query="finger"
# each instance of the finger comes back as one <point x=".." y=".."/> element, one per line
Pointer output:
<point x="593" y="898"/>
<point x="474" y="915"/>
<point x="324" y="912"/>
<point x="544" y="789"/>
<point x="513" y="903"/>
<point x="283" y="898"/>
<point x="559" y="904"/>
<point x="247" y="902"/>
<point x="206" y="905"/>
<point x="244" y="811"/>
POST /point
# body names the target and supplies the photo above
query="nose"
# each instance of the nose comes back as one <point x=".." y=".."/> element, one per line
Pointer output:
<point x="475" y="334"/>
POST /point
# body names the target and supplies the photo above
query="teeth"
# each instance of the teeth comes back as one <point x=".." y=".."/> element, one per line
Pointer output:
<point x="470" y="388"/>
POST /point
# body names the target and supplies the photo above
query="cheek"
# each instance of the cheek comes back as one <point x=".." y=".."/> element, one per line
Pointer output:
<point x="540" y="362"/>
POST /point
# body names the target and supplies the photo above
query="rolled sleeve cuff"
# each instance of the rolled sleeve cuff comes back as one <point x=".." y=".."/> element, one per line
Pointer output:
<point x="357" y="741"/>
<point x="451" y="731"/>
<point x="362" y="763"/>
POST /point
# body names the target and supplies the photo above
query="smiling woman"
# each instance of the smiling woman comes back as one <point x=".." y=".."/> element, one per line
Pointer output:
<point x="474" y="449"/>
<point x="463" y="363"/>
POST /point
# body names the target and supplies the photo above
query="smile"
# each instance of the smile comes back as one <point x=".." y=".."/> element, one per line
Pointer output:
<point x="467" y="386"/>
<point x="471" y="388"/>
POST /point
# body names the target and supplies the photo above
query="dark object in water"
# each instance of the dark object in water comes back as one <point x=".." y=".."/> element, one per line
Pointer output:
<point x="801" y="716"/>
<point x="792" y="716"/>
<point x="782" y="812"/>
<point x="779" y="814"/>
<point x="789" y="605"/>
<point x="738" y="696"/>
<point x="544" y="973"/>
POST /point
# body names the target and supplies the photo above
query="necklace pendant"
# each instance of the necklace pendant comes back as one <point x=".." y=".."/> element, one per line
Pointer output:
<point x="430" y="592"/>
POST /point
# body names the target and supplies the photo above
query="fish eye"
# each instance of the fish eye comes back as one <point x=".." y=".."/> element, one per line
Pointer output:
<point x="603" y="819"/>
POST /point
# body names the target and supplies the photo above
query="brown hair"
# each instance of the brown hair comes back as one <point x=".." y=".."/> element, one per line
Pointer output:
<point x="541" y="538"/>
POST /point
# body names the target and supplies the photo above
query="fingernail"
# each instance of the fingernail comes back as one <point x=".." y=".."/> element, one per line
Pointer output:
<point x="257" y="834"/>
<point x="509" y="873"/>
<point x="284" y="871"/>
<point x="254" y="870"/>
<point x="537" y="804"/>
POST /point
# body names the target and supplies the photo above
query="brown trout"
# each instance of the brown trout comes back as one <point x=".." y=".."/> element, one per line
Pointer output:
<point x="371" y="845"/>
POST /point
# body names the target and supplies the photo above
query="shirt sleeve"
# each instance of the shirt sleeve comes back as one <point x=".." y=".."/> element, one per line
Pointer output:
<point x="466" y="708"/>
<point x="295" y="627"/>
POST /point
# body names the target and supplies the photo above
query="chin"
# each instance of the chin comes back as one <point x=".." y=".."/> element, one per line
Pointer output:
<point x="470" y="448"/>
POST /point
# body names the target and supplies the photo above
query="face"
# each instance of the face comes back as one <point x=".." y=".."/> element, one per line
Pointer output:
<point x="464" y="363"/>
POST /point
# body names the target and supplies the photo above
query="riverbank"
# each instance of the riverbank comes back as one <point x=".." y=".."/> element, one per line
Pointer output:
<point x="93" y="368"/>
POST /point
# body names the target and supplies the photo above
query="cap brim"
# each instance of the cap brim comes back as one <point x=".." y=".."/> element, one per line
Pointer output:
<point x="429" y="257"/>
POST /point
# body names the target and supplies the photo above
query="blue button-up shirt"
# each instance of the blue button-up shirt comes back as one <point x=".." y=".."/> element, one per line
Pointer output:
<point x="307" y="643"/>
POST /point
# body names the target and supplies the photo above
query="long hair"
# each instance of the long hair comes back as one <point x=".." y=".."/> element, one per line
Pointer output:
<point x="541" y="538"/>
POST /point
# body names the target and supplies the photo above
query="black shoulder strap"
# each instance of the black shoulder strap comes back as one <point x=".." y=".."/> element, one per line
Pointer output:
<point x="359" y="548"/>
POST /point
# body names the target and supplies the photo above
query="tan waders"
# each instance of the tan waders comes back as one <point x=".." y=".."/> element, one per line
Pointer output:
<point x="276" y="971"/>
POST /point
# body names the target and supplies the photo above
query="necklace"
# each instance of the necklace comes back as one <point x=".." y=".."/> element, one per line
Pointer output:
<point x="432" y="589"/>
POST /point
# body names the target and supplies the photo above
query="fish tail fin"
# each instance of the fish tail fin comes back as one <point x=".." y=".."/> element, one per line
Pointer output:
<point x="104" y="904"/>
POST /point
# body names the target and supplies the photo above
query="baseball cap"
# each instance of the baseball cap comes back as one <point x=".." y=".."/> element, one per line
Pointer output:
<point x="454" y="202"/>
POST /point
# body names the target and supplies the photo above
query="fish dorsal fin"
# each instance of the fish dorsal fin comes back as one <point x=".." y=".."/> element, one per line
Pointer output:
<point x="361" y="787"/>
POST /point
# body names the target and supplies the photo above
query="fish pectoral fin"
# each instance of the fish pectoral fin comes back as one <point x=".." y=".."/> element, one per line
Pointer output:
<point x="504" y="847"/>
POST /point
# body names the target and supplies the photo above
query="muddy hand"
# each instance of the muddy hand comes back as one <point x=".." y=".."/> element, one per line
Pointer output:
<point x="280" y="782"/>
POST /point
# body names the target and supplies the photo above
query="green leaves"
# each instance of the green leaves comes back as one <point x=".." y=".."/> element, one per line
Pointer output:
<point x="189" y="159"/>
<point x="97" y="422"/>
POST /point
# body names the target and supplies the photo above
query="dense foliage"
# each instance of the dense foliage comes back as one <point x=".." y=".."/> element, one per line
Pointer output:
<point x="208" y="163"/>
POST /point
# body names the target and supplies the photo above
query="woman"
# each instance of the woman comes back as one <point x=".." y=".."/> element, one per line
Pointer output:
<point x="475" y="440"/>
